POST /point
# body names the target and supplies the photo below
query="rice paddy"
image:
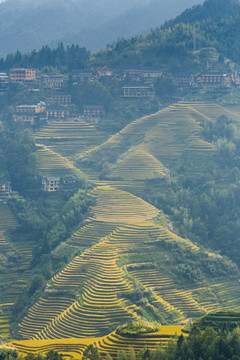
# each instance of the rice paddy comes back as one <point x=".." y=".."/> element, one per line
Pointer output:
<point x="119" y="206"/>
<point x="170" y="136"/>
<point x="53" y="164"/>
<point x="111" y="343"/>
<point x="139" y="165"/>
<point x="69" y="138"/>
<point x="15" y="261"/>
<point x="119" y="242"/>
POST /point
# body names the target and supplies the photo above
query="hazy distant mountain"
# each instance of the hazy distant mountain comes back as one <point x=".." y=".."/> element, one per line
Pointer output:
<point x="25" y="24"/>
<point x="137" y="20"/>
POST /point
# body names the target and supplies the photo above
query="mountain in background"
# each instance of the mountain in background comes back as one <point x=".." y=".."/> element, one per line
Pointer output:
<point x="203" y="37"/>
<point x="26" y="25"/>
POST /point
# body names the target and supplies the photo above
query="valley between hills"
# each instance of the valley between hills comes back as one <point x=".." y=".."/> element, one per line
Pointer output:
<point x="126" y="259"/>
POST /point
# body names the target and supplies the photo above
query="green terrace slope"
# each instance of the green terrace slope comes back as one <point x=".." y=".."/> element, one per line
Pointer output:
<point x="15" y="263"/>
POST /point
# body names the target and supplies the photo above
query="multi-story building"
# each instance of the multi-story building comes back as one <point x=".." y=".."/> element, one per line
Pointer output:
<point x="21" y="74"/>
<point x="29" y="114"/>
<point x="143" y="91"/>
<point x="51" y="183"/>
<point x="5" y="189"/>
<point x="148" y="75"/>
<point x="59" y="99"/>
<point x="93" y="113"/>
<point x="51" y="81"/>
<point x="31" y="109"/>
<point x="213" y="80"/>
<point x="58" y="114"/>
<point x="4" y="82"/>
<point x="184" y="80"/>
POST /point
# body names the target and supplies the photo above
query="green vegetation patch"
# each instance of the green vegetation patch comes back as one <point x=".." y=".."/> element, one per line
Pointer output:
<point x="135" y="328"/>
<point x="225" y="320"/>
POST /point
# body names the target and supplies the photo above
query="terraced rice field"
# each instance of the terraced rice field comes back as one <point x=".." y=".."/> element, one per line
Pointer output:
<point x="7" y="219"/>
<point x="171" y="137"/>
<point x="111" y="343"/>
<point x="165" y="293"/>
<point x="14" y="273"/>
<point x="211" y="111"/>
<point x="120" y="241"/>
<point x="69" y="138"/>
<point x="53" y="164"/>
<point x="91" y="233"/>
<point x="5" y="310"/>
<point x="139" y="165"/>
<point x="97" y="279"/>
<point x="119" y="206"/>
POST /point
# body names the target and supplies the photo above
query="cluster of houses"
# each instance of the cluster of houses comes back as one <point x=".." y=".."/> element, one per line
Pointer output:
<point x="137" y="83"/>
<point x="133" y="75"/>
<point x="56" y="104"/>
<point x="31" y="114"/>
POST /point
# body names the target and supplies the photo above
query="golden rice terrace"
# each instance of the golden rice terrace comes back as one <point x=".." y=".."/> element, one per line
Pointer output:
<point x="126" y="268"/>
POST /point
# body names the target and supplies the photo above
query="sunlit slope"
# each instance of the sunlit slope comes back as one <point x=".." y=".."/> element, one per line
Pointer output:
<point x="212" y="111"/>
<point x="96" y="280"/>
<point x="69" y="137"/>
<point x="111" y="343"/>
<point x="172" y="136"/>
<point x="120" y="206"/>
<point x="138" y="165"/>
<point x="124" y="249"/>
<point x="15" y="262"/>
